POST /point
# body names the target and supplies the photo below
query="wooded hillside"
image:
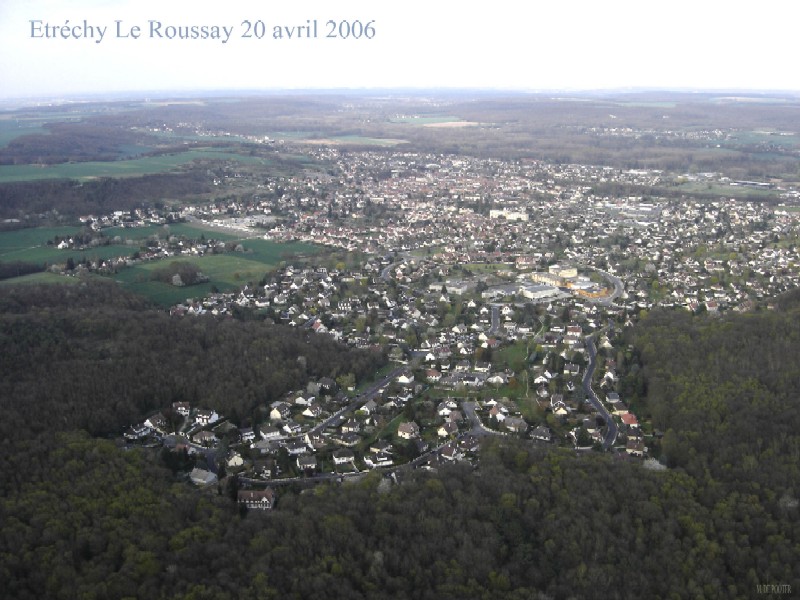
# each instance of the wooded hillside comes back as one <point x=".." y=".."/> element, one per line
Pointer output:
<point x="83" y="519"/>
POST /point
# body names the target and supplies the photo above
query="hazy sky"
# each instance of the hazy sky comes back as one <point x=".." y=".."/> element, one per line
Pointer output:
<point x="529" y="45"/>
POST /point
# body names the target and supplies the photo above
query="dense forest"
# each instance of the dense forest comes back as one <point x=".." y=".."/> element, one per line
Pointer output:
<point x="85" y="519"/>
<point x="18" y="268"/>
<point x="99" y="197"/>
<point x="92" y="357"/>
<point x="726" y="394"/>
<point x="71" y="142"/>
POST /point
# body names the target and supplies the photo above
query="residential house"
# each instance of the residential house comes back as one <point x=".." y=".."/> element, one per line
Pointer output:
<point x="343" y="456"/>
<point x="292" y="428"/>
<point x="351" y="426"/>
<point x="405" y="379"/>
<point x="314" y="411"/>
<point x="497" y="379"/>
<point x="256" y="499"/>
<point x="369" y="407"/>
<point x="205" y="438"/>
<point x="263" y="467"/>
<point x="455" y="416"/>
<point x="381" y="446"/>
<point x="499" y="412"/>
<point x="542" y="433"/>
<point x="327" y="386"/>
<point x="303" y="401"/>
<point x="307" y="462"/>
<point x="205" y="417"/>
<point x="202" y="477"/>
<point x="619" y="409"/>
<point x="137" y="432"/>
<point x="378" y="459"/>
<point x="473" y="380"/>
<point x="316" y="439"/>
<point x="270" y="432"/>
<point x="630" y="420"/>
<point x="635" y="448"/>
<point x="558" y="406"/>
<point x="432" y="375"/>
<point x="515" y="425"/>
<point x="182" y="408"/>
<point x="469" y="443"/>
<point x="408" y="430"/>
<point x="463" y="366"/>
<point x="235" y="460"/>
<point x="451" y="452"/>
<point x="296" y="447"/>
<point x="445" y="407"/>
<point x="346" y="439"/>
<point x="280" y="411"/>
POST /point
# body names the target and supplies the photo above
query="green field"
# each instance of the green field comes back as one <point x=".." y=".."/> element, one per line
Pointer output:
<point x="227" y="272"/>
<point x="35" y="278"/>
<point x="720" y="189"/>
<point x="13" y="126"/>
<point x="22" y="239"/>
<point x="487" y="268"/>
<point x="367" y="141"/>
<point x="52" y="255"/>
<point x="762" y="137"/>
<point x="121" y="168"/>
<point x="167" y="295"/>
<point x="12" y="129"/>
<point x="271" y="253"/>
<point x="512" y="356"/>
<point x="223" y="269"/>
<point x="646" y="104"/>
<point x="177" y="229"/>
<point x="30" y="245"/>
<point x="426" y="120"/>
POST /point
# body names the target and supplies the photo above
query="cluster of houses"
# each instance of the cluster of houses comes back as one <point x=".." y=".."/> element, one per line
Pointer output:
<point x="634" y="445"/>
<point x="456" y="248"/>
<point x="482" y="210"/>
<point x="309" y="433"/>
<point x="718" y="255"/>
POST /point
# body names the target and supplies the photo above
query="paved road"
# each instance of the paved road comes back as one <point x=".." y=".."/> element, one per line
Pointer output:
<point x="478" y="428"/>
<point x="368" y="393"/>
<point x="619" y="289"/>
<point x="495" y="328"/>
<point x="612" y="429"/>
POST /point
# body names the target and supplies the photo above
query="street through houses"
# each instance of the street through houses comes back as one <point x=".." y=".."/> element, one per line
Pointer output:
<point x="591" y="396"/>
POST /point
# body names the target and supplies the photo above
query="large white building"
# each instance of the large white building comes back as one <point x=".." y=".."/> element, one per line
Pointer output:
<point x="508" y="215"/>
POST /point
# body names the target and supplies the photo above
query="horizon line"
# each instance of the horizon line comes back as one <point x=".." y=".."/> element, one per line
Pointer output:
<point x="158" y="94"/>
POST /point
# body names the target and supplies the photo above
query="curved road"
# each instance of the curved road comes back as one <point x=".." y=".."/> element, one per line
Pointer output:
<point x="618" y="287"/>
<point x="612" y="429"/>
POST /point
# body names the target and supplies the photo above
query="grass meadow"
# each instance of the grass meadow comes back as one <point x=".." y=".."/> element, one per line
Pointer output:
<point x="227" y="272"/>
<point x="147" y="165"/>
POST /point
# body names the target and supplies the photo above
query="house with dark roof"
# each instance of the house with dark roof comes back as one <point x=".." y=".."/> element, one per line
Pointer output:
<point x="408" y="430"/>
<point x="256" y="499"/>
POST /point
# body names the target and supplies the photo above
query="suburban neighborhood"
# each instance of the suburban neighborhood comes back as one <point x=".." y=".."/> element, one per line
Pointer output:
<point x="483" y="282"/>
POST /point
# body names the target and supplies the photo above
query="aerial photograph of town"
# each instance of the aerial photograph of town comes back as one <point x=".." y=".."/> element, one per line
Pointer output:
<point x="340" y="303"/>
